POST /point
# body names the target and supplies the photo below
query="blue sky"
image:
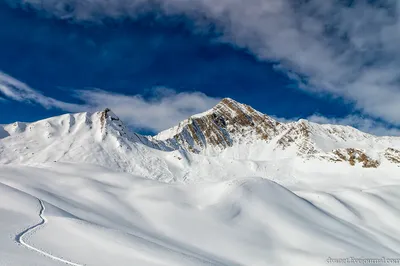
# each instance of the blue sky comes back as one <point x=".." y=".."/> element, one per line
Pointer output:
<point x="179" y="66"/>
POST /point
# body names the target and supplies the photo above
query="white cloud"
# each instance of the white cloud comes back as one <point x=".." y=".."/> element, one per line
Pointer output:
<point x="347" y="51"/>
<point x="164" y="109"/>
<point x="364" y="124"/>
<point x="19" y="91"/>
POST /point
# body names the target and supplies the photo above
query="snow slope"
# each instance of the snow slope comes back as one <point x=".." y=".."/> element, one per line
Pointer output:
<point x="99" y="217"/>
<point x="3" y="132"/>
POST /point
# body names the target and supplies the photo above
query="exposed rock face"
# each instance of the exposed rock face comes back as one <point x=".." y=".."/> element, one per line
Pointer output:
<point x="298" y="134"/>
<point x="354" y="156"/>
<point x="227" y="123"/>
<point x="393" y="155"/>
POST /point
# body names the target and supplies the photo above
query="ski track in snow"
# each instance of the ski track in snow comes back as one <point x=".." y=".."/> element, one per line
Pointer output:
<point x="20" y="238"/>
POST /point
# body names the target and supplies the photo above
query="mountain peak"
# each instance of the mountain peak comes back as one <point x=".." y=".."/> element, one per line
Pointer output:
<point x="230" y="109"/>
<point x="107" y="113"/>
<point x="227" y="123"/>
<point x="232" y="105"/>
<point x="227" y="101"/>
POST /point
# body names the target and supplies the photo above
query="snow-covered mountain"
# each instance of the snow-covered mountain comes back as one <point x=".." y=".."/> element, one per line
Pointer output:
<point x="235" y="130"/>
<point x="229" y="140"/>
<point x="98" y="138"/>
<point x="281" y="194"/>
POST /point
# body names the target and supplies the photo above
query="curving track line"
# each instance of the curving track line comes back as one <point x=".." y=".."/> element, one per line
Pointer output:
<point x="20" y="238"/>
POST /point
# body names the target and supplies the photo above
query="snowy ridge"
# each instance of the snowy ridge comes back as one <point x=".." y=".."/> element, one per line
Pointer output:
<point x="98" y="138"/>
<point x="234" y="130"/>
<point x="229" y="141"/>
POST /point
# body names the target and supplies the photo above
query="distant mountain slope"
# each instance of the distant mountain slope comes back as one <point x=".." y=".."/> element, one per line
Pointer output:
<point x="231" y="140"/>
<point x="98" y="138"/>
<point x="236" y="130"/>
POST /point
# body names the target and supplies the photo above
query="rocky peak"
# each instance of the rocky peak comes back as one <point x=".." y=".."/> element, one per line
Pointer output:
<point x="227" y="123"/>
<point x="110" y="123"/>
<point x="107" y="115"/>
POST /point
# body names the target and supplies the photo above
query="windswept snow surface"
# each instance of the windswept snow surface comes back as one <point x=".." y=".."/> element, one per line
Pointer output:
<point x="99" y="217"/>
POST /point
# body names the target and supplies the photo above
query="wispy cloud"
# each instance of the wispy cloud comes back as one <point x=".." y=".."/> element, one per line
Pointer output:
<point x="163" y="109"/>
<point x="362" y="123"/>
<point x="19" y="91"/>
<point x="348" y="49"/>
